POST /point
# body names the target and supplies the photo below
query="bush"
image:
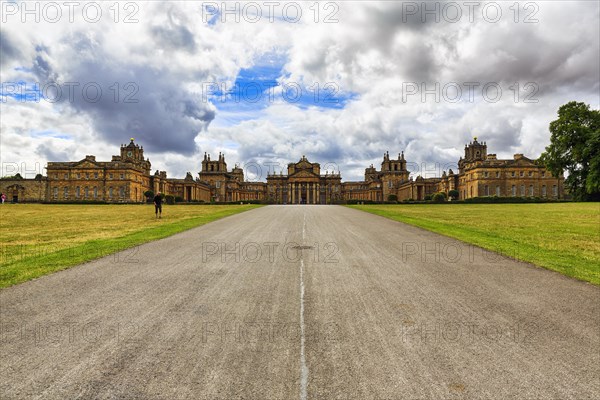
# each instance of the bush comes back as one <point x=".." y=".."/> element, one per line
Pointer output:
<point x="169" y="199"/>
<point x="392" y="197"/>
<point x="453" y="194"/>
<point x="428" y="197"/>
<point x="439" y="197"/>
<point x="178" y="199"/>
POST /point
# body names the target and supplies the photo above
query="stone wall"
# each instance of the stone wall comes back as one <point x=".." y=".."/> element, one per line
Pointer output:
<point x="24" y="190"/>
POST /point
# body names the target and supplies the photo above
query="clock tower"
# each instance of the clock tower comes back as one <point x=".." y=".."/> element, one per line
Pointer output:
<point x="132" y="152"/>
<point x="135" y="154"/>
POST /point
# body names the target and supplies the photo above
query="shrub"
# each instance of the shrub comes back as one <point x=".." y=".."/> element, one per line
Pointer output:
<point x="178" y="199"/>
<point x="392" y="197"/>
<point x="439" y="197"/>
<point x="428" y="197"/>
<point x="453" y="194"/>
<point x="169" y="199"/>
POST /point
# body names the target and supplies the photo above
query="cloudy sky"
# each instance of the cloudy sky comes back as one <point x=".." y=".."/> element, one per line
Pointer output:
<point x="265" y="83"/>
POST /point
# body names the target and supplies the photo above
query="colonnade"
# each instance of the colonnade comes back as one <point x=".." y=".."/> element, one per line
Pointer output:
<point x="310" y="196"/>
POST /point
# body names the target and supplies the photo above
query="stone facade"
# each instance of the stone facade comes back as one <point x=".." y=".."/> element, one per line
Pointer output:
<point x="481" y="175"/>
<point x="124" y="179"/>
<point x="304" y="184"/>
<point x="127" y="177"/>
<point x="20" y="190"/>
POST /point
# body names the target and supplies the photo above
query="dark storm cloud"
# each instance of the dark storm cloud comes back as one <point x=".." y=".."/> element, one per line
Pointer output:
<point x="8" y="50"/>
<point x="138" y="101"/>
<point x="51" y="154"/>
<point x="152" y="106"/>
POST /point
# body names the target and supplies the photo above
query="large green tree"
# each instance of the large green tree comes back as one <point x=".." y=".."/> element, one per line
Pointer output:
<point x="575" y="149"/>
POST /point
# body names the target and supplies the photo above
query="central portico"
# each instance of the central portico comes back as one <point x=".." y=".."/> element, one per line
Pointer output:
<point x="304" y="184"/>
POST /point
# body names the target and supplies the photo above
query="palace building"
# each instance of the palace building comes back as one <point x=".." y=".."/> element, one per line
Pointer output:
<point x="127" y="178"/>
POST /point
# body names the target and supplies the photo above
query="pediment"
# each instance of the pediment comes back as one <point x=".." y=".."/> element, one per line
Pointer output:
<point x="86" y="164"/>
<point x="524" y="162"/>
<point x="304" y="174"/>
<point x="304" y="165"/>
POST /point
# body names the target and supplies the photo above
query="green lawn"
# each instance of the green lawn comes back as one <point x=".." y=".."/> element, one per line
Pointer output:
<point x="563" y="237"/>
<point x="37" y="239"/>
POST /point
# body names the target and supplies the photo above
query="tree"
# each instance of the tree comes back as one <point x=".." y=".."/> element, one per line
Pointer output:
<point x="392" y="197"/>
<point x="575" y="148"/>
<point x="453" y="194"/>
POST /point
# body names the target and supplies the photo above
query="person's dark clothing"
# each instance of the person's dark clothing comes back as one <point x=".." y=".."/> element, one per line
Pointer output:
<point x="157" y="204"/>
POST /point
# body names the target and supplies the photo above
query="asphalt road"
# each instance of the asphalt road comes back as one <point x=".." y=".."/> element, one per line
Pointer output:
<point x="294" y="302"/>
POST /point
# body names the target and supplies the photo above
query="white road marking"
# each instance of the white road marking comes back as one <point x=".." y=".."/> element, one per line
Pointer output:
<point x="303" y="367"/>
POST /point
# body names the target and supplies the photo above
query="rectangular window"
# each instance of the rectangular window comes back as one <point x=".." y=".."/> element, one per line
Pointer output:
<point x="218" y="184"/>
<point x="78" y="175"/>
<point x="514" y="190"/>
<point x="497" y="174"/>
<point x="77" y="192"/>
<point x="521" y="174"/>
<point x="87" y="175"/>
<point x="498" y="191"/>
<point x="110" y="192"/>
<point x="122" y="192"/>
<point x="66" y="176"/>
<point x="95" y="192"/>
<point x="122" y="176"/>
<point x="543" y="174"/>
<point x="543" y="190"/>
<point x="485" y="174"/>
<point x="531" y="190"/>
<point x="110" y="176"/>
<point x="65" y="193"/>
<point x="95" y="175"/>
<point x="554" y="191"/>
<point x="522" y="190"/>
<point x="530" y="174"/>
<point x="512" y="174"/>
<point x="390" y="184"/>
<point x="55" y="192"/>
<point x="87" y="192"/>
<point x="487" y="190"/>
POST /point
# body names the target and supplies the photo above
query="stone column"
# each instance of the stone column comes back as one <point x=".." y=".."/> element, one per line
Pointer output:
<point x="293" y="193"/>
<point x="318" y="194"/>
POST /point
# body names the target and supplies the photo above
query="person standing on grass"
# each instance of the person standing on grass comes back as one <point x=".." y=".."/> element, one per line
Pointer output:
<point x="3" y="197"/>
<point x="158" y="205"/>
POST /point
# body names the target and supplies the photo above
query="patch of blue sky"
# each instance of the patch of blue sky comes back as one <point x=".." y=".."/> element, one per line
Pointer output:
<point x="211" y="15"/>
<point x="21" y="91"/>
<point x="256" y="88"/>
<point x="50" y="133"/>
<point x="328" y="95"/>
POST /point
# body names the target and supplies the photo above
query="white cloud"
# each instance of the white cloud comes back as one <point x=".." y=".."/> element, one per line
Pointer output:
<point x="372" y="52"/>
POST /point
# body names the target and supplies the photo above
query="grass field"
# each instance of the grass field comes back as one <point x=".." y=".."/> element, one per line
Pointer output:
<point x="563" y="237"/>
<point x="37" y="239"/>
